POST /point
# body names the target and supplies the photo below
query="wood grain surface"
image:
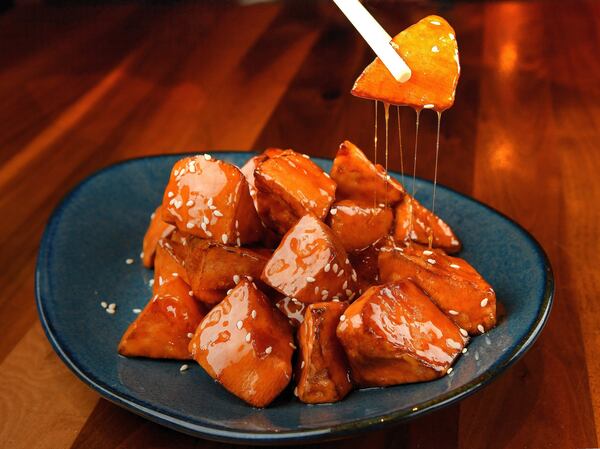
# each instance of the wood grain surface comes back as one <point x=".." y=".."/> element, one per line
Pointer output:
<point x="85" y="86"/>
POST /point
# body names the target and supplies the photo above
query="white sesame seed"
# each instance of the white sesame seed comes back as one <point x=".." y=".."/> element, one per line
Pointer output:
<point x="152" y="215"/>
<point x="345" y="285"/>
<point x="136" y="311"/>
<point x="310" y="279"/>
<point x="209" y="202"/>
<point x="296" y="391"/>
<point x="435" y="49"/>
<point x="253" y="314"/>
<point x="449" y="370"/>
<point x="340" y="273"/>
<point x="191" y="293"/>
<point x="431" y="261"/>
<point x="190" y="334"/>
<point x="480" y="328"/>
<point x="142" y="255"/>
<point x="333" y="211"/>
<point x="203" y="226"/>
<point x="192" y="168"/>
<point x="354" y="276"/>
<point x="327" y="268"/>
<point x="207" y="157"/>
<point x="464" y="351"/>
<point x="189" y="203"/>
<point x="414" y="409"/>
<point x="224" y="238"/>
<point x="427" y="252"/>
<point x="335" y="299"/>
<point x="217" y="213"/>
<point x="268" y="350"/>
<point x="175" y="274"/>
<point x="248" y="337"/>
<point x="292" y="345"/>
<point x="342" y="317"/>
<point x="170" y="194"/>
<point x="453" y="265"/>
<point x="189" y="225"/>
<point x="208" y="233"/>
<point x="335" y="268"/>
<point x="151" y="282"/>
<point x="238" y="241"/>
<point x="464" y="332"/>
<point x="326" y="174"/>
<point x="184" y="368"/>
<point x="452" y="312"/>
<point x="160" y="280"/>
<point x="104" y="304"/>
<point x="236" y="279"/>
<point x="435" y="22"/>
<point x="239" y="324"/>
<point x="212" y="207"/>
<point x="484" y="302"/>
<point x="128" y="261"/>
<point x="111" y="311"/>
<point x="349" y="292"/>
<point x="302" y="364"/>
<point x="324" y="292"/>
<point x="112" y="305"/>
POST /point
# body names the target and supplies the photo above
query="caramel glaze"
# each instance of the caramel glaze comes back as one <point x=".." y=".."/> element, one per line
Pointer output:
<point x="169" y="261"/>
<point x="210" y="199"/>
<point x="246" y="345"/>
<point x="311" y="264"/>
<point x="162" y="329"/>
<point x="157" y="229"/>
<point x="424" y="224"/>
<point x="251" y="165"/>
<point x="365" y="262"/>
<point x="394" y="334"/>
<point x="359" y="224"/>
<point x="451" y="283"/>
<point x="292" y="309"/>
<point x="288" y="186"/>
<point x="322" y="371"/>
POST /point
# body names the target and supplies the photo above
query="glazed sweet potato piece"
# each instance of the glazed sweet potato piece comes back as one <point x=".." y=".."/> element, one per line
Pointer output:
<point x="157" y="229"/>
<point x="215" y="268"/>
<point x="292" y="309"/>
<point x="289" y="186"/>
<point x="366" y="264"/>
<point x="169" y="262"/>
<point x="424" y="223"/>
<point x="454" y="285"/>
<point x="250" y="166"/>
<point x="359" y="224"/>
<point x="323" y="371"/>
<point x="210" y="199"/>
<point x="246" y="345"/>
<point x="429" y="48"/>
<point x="359" y="179"/>
<point x="393" y="334"/>
<point x="311" y="264"/>
<point x="163" y="329"/>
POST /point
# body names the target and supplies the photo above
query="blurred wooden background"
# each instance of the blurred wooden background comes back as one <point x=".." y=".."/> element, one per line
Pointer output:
<point x="82" y="86"/>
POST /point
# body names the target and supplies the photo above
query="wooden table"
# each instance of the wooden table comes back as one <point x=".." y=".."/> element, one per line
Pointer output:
<point x="82" y="87"/>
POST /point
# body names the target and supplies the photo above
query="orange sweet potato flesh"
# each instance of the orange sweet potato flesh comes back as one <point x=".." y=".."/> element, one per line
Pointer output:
<point x="311" y="264"/>
<point x="393" y="334"/>
<point x="246" y="345"/>
<point x="429" y="48"/>
<point x="157" y="229"/>
<point x="288" y="186"/>
<point x="454" y="285"/>
<point x="169" y="262"/>
<point x="424" y="223"/>
<point x="358" y="224"/>
<point x="162" y="330"/>
<point x="323" y="370"/>
<point x="359" y="179"/>
<point x="214" y="268"/>
<point x="210" y="199"/>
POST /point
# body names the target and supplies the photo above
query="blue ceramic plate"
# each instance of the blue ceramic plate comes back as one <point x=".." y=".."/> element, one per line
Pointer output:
<point x="101" y="224"/>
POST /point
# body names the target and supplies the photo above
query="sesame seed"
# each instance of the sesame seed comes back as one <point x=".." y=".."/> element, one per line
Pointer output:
<point x="449" y="370"/>
<point x="480" y="328"/>
<point x="435" y="22"/>
<point x="128" y="261"/>
<point x="224" y="238"/>
<point x="340" y="273"/>
<point x="354" y="276"/>
<point x="190" y="334"/>
<point x="335" y="268"/>
<point x="212" y="207"/>
<point x="160" y="280"/>
<point x="239" y="324"/>
<point x="238" y="241"/>
<point x="151" y="282"/>
<point x="236" y="279"/>
<point x="427" y="252"/>
<point x="333" y="211"/>
<point x="192" y="168"/>
<point x="451" y="36"/>
<point x="324" y="292"/>
<point x="435" y="49"/>
<point x="209" y="202"/>
<point x="207" y="157"/>
<point x="302" y="364"/>
<point x="453" y="265"/>
<point x="269" y="350"/>
<point x="189" y="225"/>
<point x="484" y="302"/>
<point x="253" y="314"/>
<point x="248" y="337"/>
<point x="345" y="285"/>
<point x="250" y="278"/>
<point x="152" y="215"/>
<point x="174" y="274"/>
<point x="111" y="311"/>
<point x="296" y="391"/>
<point x="205" y="220"/>
<point x="342" y="317"/>
<point x="229" y="291"/>
<point x="184" y="368"/>
<point x="292" y="345"/>
<point x="310" y="279"/>
<point x="464" y="351"/>
<point x="414" y="409"/>
<point x="217" y="213"/>
<point x="464" y="332"/>
<point x="189" y="203"/>
<point x="317" y="290"/>
<point x="191" y="293"/>
<point x="112" y="305"/>
<point x="349" y="292"/>
<point x="208" y="234"/>
<point x="327" y="268"/>
<point x="203" y="226"/>
<point x="104" y="304"/>
<point x="326" y="174"/>
<point x="142" y="255"/>
<point x="431" y="261"/>
<point x="136" y="311"/>
<point x="452" y="312"/>
<point x="170" y="194"/>
<point x="335" y="299"/>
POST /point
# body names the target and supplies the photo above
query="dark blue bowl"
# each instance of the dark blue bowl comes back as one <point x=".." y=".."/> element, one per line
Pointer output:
<point x="101" y="224"/>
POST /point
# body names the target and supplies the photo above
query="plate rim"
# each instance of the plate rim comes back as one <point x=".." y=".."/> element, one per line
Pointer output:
<point x="339" y="431"/>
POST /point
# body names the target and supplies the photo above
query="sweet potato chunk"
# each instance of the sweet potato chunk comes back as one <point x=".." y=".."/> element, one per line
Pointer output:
<point x="215" y="268"/>
<point x="366" y="264"/>
<point x="454" y="285"/>
<point x="157" y="229"/>
<point x="359" y="224"/>
<point x="393" y="334"/>
<point x="210" y="199"/>
<point x="169" y="262"/>
<point x="424" y="224"/>
<point x="292" y="309"/>
<point x="289" y="186"/>
<point x="324" y="374"/>
<point x="246" y="345"/>
<point x="311" y="265"/>
<point x="359" y="179"/>
<point x="250" y="166"/>
<point x="163" y="329"/>
<point x="430" y="50"/>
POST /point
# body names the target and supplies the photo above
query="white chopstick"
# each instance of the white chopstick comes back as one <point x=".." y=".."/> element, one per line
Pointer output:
<point x="377" y="38"/>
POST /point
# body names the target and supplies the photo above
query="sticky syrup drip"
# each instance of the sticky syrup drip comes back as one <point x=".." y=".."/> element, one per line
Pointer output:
<point x="435" y="173"/>
<point x="386" y="108"/>
<point x="400" y="145"/>
<point x="375" y="153"/>
<point x="414" y="182"/>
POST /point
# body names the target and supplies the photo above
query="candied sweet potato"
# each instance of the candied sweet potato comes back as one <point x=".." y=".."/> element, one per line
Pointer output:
<point x="454" y="285"/>
<point x="429" y="48"/>
<point x="393" y="334"/>
<point x="157" y="229"/>
<point x="288" y="186"/>
<point x="366" y="264"/>
<point x="311" y="264"/>
<point x="359" y="224"/>
<point x="324" y="373"/>
<point x="250" y="166"/>
<point x="246" y="345"/>
<point x="169" y="261"/>
<point x="163" y="329"/>
<point x="292" y="309"/>
<point x="424" y="223"/>
<point x="359" y="179"/>
<point x="210" y="199"/>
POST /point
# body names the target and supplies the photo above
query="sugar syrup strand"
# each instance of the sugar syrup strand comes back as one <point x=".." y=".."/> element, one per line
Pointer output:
<point x="411" y="228"/>
<point x="400" y="145"/>
<point x="435" y="173"/>
<point x="375" y="153"/>
<point x="386" y="107"/>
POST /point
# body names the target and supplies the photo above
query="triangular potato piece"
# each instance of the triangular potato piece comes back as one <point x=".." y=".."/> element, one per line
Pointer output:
<point x="157" y="229"/>
<point x="429" y="48"/>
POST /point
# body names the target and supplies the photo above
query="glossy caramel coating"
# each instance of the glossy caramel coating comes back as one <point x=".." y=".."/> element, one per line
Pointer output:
<point x="454" y="285"/>
<point x="157" y="229"/>
<point x="169" y="262"/>
<point x="358" y="224"/>
<point x="289" y="186"/>
<point x="424" y="224"/>
<point x="210" y="199"/>
<point x="311" y="264"/>
<point x="366" y="264"/>
<point x="393" y="334"/>
<point x="249" y="167"/>
<point x="246" y="345"/>
<point x="162" y="330"/>
<point x="429" y="48"/>
<point x="322" y="367"/>
<point x="292" y="309"/>
<point x="359" y="179"/>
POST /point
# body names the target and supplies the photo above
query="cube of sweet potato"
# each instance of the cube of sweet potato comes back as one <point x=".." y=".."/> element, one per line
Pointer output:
<point x="454" y="285"/>
<point x="359" y="179"/>
<point x="214" y="268"/>
<point x="246" y="345"/>
<point x="311" y="264"/>
<point x="288" y="186"/>
<point x="210" y="199"/>
<point x="429" y="48"/>
<point x="163" y="329"/>
<point x="393" y="334"/>
<point x="157" y="229"/>
<point x="409" y="212"/>
<point x="250" y="166"/>
<point x="359" y="224"/>
<point x="169" y="261"/>
<point x="323" y="370"/>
